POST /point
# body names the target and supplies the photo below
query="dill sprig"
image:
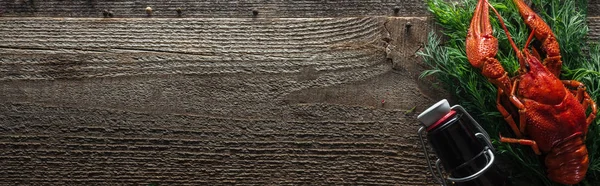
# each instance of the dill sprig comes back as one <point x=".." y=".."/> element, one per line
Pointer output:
<point x="448" y="63"/>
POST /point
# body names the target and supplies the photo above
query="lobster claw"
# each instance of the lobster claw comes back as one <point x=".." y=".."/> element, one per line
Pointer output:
<point x="482" y="46"/>
<point x="544" y="34"/>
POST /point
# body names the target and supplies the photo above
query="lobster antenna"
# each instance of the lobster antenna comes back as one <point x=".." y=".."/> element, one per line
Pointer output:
<point x="529" y="38"/>
<point x="512" y="43"/>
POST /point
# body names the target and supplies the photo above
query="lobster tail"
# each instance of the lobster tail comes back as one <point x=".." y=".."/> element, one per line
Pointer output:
<point x="568" y="161"/>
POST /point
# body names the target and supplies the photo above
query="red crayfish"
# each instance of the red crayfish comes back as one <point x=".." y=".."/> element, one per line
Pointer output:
<point x="551" y="112"/>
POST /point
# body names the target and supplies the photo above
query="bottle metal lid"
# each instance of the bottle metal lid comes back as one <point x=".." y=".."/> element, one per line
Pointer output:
<point x="434" y="113"/>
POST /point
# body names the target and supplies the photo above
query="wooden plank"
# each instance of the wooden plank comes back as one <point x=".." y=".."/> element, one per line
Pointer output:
<point x="214" y="8"/>
<point x="222" y="9"/>
<point x="593" y="8"/>
<point x="44" y="144"/>
<point x="210" y="101"/>
<point x="594" y="26"/>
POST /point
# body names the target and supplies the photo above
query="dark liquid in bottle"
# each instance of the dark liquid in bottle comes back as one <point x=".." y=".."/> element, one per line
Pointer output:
<point x="462" y="153"/>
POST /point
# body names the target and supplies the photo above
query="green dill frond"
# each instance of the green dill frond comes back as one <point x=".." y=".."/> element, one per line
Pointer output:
<point x="568" y="22"/>
<point x="589" y="74"/>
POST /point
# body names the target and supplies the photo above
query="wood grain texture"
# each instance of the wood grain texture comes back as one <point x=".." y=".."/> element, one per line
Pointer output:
<point x="214" y="8"/>
<point x="210" y="101"/>
<point x="593" y="8"/>
<point x="221" y="9"/>
<point x="594" y="26"/>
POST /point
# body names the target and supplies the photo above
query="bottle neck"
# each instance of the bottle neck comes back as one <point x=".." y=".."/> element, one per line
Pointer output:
<point x="442" y="120"/>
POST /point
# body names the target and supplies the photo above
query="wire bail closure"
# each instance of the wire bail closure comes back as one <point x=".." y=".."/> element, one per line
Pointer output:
<point x="482" y="135"/>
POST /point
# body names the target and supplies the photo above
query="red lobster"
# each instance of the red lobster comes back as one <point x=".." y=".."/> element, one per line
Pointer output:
<point x="551" y="112"/>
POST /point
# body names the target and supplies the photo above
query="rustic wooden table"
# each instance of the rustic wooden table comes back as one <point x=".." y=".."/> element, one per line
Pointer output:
<point x="245" y="92"/>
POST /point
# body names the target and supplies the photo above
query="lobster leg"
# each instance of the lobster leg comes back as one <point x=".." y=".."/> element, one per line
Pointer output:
<point x="482" y="46"/>
<point x="580" y="87"/>
<point x="543" y="33"/>
<point x="589" y="102"/>
<point x="507" y="116"/>
<point x="585" y="99"/>
<point x="522" y="110"/>
<point x="531" y="143"/>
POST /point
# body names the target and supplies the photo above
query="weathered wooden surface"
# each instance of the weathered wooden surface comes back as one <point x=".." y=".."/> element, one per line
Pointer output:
<point x="594" y="26"/>
<point x="216" y="101"/>
<point x="219" y="96"/>
<point x="593" y="8"/>
<point x="214" y="8"/>
<point x="223" y="9"/>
